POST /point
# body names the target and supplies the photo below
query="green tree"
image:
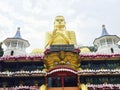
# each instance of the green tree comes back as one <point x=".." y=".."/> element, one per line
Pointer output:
<point x="119" y="46"/>
<point x="1" y="50"/>
<point x="92" y="48"/>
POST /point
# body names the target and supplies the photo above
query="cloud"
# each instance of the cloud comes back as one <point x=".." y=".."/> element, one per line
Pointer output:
<point x="35" y="17"/>
<point x="5" y="7"/>
<point x="4" y="21"/>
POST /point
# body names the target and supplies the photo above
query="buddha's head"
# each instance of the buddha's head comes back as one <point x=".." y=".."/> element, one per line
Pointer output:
<point x="59" y="22"/>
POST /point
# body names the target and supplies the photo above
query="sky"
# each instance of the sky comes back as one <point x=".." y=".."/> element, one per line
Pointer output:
<point x="36" y="17"/>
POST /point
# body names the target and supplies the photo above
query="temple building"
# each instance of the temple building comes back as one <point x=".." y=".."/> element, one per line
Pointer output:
<point x="107" y="43"/>
<point x="16" y="45"/>
<point x="62" y="65"/>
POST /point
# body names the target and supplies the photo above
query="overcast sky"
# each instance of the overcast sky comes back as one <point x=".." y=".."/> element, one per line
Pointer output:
<point x="36" y="17"/>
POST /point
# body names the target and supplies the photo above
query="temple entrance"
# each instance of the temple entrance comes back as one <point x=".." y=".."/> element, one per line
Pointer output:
<point x="62" y="81"/>
<point x="67" y="81"/>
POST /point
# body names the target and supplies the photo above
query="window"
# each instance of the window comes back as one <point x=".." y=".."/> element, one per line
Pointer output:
<point x="8" y="44"/>
<point x="109" y="41"/>
<point x="14" y="44"/>
<point x="20" y="44"/>
<point x="66" y="81"/>
<point x="114" y="41"/>
<point x="54" y="82"/>
<point x="70" y="81"/>
<point x="102" y="42"/>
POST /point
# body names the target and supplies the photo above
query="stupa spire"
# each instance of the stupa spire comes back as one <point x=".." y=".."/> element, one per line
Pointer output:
<point x="18" y="35"/>
<point x="104" y="31"/>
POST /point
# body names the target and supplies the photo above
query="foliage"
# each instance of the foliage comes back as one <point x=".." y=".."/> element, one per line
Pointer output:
<point x="1" y="50"/>
<point x="92" y="48"/>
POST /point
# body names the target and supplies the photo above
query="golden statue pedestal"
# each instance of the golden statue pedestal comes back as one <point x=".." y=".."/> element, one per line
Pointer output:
<point x="62" y="55"/>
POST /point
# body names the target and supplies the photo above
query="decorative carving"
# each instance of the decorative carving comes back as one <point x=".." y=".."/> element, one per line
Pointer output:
<point x="62" y="58"/>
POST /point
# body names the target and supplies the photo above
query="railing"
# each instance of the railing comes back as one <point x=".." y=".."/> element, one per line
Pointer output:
<point x="20" y="88"/>
<point x="103" y="87"/>
<point x="95" y="56"/>
<point x="22" y="58"/>
<point x="23" y="73"/>
<point x="99" y="72"/>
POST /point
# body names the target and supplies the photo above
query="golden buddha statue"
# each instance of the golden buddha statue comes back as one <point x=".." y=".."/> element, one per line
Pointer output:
<point x="60" y="35"/>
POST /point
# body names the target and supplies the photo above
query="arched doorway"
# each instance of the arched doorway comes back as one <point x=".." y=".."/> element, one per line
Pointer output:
<point x="62" y="79"/>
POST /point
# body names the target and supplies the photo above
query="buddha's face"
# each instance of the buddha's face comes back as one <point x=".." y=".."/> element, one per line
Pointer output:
<point x="59" y="22"/>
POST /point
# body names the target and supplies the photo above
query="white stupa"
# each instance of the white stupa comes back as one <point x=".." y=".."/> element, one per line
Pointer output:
<point x="16" y="45"/>
<point x="106" y="43"/>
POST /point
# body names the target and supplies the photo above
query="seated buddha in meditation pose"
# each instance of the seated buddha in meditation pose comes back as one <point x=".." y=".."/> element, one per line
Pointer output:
<point x="60" y="36"/>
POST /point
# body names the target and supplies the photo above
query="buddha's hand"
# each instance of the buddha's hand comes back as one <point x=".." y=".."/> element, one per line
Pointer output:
<point x="54" y="32"/>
